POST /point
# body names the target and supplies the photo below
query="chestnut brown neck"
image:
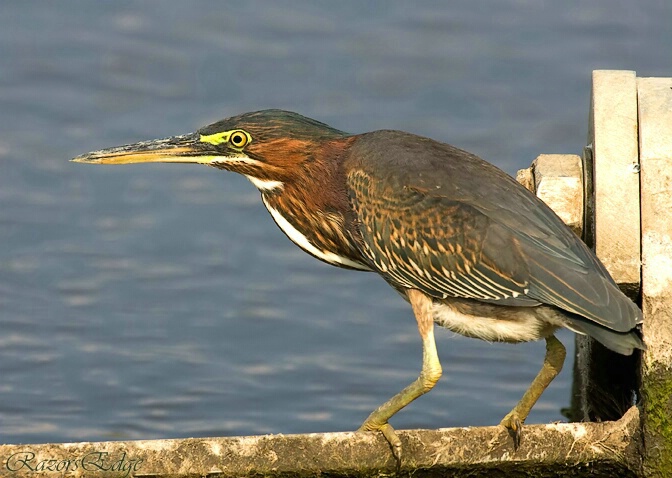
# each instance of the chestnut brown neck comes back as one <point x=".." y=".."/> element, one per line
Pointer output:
<point x="313" y="209"/>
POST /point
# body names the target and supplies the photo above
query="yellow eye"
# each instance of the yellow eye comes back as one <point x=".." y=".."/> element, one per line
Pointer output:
<point x="238" y="139"/>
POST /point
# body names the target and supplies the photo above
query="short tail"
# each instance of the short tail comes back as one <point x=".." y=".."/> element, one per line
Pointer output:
<point x="620" y="342"/>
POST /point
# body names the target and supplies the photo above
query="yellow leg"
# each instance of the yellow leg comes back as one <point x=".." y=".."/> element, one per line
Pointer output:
<point x="430" y="374"/>
<point x="553" y="361"/>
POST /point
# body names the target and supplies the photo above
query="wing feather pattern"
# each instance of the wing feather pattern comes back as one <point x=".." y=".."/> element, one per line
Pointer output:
<point x="453" y="225"/>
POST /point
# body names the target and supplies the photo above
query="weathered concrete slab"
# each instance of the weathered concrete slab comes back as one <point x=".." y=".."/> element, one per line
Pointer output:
<point x="613" y="136"/>
<point x="655" y="139"/>
<point x="559" y="183"/>
<point x="564" y="449"/>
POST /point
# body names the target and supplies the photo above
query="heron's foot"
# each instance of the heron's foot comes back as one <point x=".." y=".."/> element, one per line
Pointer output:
<point x="390" y="435"/>
<point x="514" y="425"/>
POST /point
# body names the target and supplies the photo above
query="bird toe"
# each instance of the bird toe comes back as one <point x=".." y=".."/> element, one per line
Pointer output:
<point x="392" y="438"/>
<point x="514" y="426"/>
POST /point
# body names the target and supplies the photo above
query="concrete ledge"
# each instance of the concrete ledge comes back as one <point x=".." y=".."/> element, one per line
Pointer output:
<point x="563" y="449"/>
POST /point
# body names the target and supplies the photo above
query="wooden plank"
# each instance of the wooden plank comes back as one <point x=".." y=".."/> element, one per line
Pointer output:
<point x="655" y="139"/>
<point x="613" y="136"/>
<point x="554" y="450"/>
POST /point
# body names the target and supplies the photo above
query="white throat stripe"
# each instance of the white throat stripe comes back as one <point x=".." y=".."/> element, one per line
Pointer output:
<point x="264" y="184"/>
<point x="302" y="241"/>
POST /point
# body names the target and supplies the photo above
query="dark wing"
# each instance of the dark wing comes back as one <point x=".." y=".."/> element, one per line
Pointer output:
<point x="442" y="247"/>
<point x="443" y="221"/>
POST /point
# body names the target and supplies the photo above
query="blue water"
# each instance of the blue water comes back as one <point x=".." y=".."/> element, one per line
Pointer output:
<point x="161" y="300"/>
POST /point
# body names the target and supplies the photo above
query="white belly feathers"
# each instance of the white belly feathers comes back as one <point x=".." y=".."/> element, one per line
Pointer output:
<point x="527" y="325"/>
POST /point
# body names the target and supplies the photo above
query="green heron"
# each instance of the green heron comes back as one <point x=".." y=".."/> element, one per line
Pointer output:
<point x="465" y="244"/>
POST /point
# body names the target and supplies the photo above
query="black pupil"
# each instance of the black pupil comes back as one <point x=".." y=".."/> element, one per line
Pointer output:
<point x="237" y="139"/>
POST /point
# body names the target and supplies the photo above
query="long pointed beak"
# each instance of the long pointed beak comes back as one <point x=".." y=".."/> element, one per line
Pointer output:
<point x="178" y="149"/>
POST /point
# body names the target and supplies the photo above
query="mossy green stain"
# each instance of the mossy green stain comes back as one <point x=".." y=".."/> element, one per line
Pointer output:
<point x="657" y="402"/>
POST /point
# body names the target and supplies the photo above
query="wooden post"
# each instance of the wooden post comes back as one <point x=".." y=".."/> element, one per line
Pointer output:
<point x="655" y="144"/>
